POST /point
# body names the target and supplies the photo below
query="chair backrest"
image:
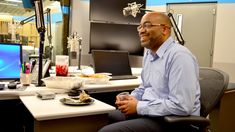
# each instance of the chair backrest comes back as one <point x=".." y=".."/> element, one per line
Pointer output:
<point x="213" y="82"/>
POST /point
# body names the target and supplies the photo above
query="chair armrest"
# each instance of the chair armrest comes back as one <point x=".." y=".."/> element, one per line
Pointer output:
<point x="193" y="120"/>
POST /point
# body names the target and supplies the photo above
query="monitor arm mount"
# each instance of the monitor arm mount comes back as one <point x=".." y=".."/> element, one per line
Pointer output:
<point x="133" y="9"/>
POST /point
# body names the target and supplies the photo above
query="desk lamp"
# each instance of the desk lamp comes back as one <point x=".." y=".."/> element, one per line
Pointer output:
<point x="133" y="9"/>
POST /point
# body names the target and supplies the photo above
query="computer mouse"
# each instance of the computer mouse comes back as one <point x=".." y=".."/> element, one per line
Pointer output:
<point x="12" y="85"/>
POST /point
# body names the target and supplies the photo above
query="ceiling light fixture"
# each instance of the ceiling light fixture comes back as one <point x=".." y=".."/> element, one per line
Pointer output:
<point x="19" y="1"/>
<point x="7" y="4"/>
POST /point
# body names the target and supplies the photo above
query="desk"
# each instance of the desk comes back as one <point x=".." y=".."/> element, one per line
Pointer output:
<point x="53" y="116"/>
<point x="48" y="116"/>
<point x="114" y="85"/>
<point x="74" y="70"/>
<point x="7" y="94"/>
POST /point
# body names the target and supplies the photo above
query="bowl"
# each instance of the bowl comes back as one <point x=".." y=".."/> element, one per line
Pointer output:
<point x="63" y="82"/>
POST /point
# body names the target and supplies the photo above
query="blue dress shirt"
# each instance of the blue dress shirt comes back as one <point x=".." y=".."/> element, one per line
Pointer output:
<point x="170" y="82"/>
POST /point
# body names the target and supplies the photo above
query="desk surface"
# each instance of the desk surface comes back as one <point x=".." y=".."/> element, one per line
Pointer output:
<point x="74" y="69"/>
<point x="54" y="109"/>
<point x="115" y="85"/>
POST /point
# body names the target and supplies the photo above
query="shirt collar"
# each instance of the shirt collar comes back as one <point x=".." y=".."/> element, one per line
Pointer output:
<point x="162" y="49"/>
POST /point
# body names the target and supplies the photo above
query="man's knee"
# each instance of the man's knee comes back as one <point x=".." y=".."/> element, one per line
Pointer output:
<point x="111" y="128"/>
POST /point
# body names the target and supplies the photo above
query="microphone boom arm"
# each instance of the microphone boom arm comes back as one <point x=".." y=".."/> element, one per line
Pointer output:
<point x="41" y="30"/>
<point x="176" y="29"/>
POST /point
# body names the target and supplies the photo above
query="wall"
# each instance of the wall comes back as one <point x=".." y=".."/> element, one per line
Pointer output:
<point x="224" y="46"/>
<point x="80" y="22"/>
<point x="224" y="49"/>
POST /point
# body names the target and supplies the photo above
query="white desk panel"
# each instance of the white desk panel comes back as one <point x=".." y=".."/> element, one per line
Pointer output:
<point x="54" y="109"/>
<point x="114" y="85"/>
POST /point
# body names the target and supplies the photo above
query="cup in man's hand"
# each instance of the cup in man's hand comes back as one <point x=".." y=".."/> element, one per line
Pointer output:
<point x="123" y="96"/>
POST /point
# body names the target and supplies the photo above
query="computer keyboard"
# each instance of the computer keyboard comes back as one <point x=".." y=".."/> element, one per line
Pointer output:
<point x="122" y="77"/>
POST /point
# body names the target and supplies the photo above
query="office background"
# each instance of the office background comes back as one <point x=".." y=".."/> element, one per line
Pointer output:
<point x="223" y="44"/>
<point x="224" y="28"/>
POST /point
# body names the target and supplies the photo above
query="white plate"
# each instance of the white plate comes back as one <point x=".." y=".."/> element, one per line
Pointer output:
<point x="75" y="101"/>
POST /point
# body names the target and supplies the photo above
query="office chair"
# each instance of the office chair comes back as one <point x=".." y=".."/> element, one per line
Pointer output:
<point x="213" y="82"/>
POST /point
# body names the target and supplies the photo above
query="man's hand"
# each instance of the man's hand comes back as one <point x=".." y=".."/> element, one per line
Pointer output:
<point x="128" y="106"/>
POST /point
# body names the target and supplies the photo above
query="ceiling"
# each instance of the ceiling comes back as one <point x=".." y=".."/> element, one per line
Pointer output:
<point x="15" y="8"/>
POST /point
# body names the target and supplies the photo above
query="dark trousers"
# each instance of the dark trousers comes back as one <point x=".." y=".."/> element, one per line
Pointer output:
<point x="120" y="123"/>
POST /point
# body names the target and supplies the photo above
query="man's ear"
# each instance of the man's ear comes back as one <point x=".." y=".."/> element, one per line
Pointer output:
<point x="166" y="30"/>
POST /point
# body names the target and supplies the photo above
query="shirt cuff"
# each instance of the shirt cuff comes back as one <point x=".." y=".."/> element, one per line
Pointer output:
<point x="135" y="95"/>
<point x="141" y="108"/>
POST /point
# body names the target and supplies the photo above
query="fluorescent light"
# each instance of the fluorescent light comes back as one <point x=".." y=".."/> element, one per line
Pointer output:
<point x="7" y="4"/>
<point x="19" y="1"/>
<point x="4" y="14"/>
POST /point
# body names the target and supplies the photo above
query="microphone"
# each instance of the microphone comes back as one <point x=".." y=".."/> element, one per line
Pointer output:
<point x="132" y="9"/>
<point x="39" y="15"/>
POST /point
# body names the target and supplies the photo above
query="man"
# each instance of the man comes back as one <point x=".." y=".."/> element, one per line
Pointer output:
<point x="170" y="81"/>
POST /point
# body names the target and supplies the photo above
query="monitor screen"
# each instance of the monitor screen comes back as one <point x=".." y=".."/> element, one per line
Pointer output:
<point x="123" y="37"/>
<point x="111" y="11"/>
<point x="28" y="3"/>
<point x="10" y="61"/>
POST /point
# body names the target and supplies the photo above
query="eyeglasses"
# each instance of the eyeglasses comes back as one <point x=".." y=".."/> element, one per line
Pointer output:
<point x="148" y="25"/>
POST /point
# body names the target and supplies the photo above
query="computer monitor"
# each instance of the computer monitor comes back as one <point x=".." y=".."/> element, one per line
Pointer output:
<point x="10" y="61"/>
<point x="29" y="4"/>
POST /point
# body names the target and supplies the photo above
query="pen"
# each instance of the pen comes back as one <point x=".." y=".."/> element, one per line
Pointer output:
<point x="23" y="68"/>
<point x="33" y="63"/>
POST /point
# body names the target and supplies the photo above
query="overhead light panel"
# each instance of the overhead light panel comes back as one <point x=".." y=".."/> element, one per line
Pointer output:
<point x="7" y="4"/>
<point x="19" y="1"/>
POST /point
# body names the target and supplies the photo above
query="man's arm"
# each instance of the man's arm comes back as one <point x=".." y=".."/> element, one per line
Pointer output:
<point x="183" y="86"/>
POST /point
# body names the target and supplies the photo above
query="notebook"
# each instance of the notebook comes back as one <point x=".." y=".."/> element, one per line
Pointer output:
<point x="114" y="62"/>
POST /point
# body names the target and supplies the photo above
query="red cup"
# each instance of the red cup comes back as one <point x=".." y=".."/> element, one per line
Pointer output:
<point x="62" y="70"/>
<point x="62" y="65"/>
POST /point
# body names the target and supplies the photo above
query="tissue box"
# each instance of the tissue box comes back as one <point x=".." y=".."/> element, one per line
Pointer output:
<point x="62" y="82"/>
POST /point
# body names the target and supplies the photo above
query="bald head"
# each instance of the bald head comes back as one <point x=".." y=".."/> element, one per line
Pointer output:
<point x="154" y="30"/>
<point x="158" y="17"/>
